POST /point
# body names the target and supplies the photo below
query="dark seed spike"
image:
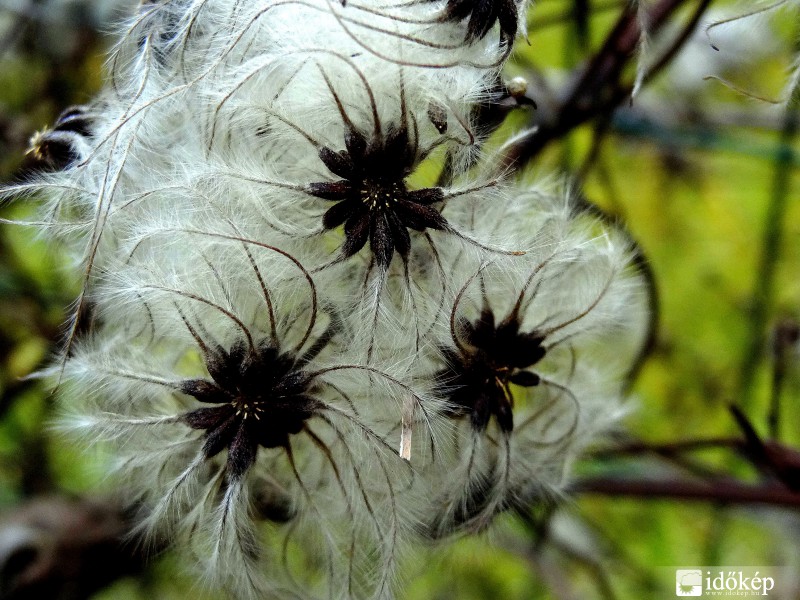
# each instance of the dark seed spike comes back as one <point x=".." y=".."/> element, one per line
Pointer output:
<point x="508" y="328"/>
<point x="420" y="217"/>
<point x="204" y="391"/>
<point x="484" y="14"/>
<point x="338" y="163"/>
<point x="426" y="196"/>
<point x="274" y="435"/>
<point x="237" y="355"/>
<point x="456" y="10"/>
<point x="528" y="352"/>
<point x="222" y="369"/>
<point x="401" y="239"/>
<point x="242" y="452"/>
<point x="335" y="191"/>
<point x="396" y="150"/>
<point x="355" y="143"/>
<point x="52" y="151"/>
<point x="291" y="386"/>
<point x="356" y="231"/>
<point x="508" y="18"/>
<point x="380" y="240"/>
<point x="208" y="418"/>
<point x="220" y="435"/>
<point x="481" y="412"/>
<point x="75" y="119"/>
<point x="482" y="335"/>
<point x="525" y="379"/>
<point x="504" y="409"/>
<point x="481" y="15"/>
<point x="504" y="413"/>
<point x="341" y="212"/>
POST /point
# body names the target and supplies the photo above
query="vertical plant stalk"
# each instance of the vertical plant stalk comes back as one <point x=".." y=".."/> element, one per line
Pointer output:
<point x="762" y="296"/>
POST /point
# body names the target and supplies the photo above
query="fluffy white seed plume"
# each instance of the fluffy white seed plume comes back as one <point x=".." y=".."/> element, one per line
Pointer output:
<point x="301" y="349"/>
<point x="231" y="399"/>
<point x="233" y="102"/>
<point x="534" y="361"/>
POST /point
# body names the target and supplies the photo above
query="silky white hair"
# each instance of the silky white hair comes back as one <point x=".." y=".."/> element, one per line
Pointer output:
<point x="193" y="213"/>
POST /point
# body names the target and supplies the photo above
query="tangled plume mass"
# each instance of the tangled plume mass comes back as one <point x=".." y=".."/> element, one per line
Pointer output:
<point x="318" y="324"/>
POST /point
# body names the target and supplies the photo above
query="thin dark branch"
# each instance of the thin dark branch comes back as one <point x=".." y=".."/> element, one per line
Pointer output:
<point x="598" y="90"/>
<point x="669" y="448"/>
<point x="720" y="492"/>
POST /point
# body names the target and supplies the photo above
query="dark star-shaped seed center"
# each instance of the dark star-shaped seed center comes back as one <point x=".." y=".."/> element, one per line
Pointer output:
<point x="478" y="375"/>
<point x="372" y="200"/>
<point x="379" y="196"/>
<point x="262" y="397"/>
<point x="482" y="15"/>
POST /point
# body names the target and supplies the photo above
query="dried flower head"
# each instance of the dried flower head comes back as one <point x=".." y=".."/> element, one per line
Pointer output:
<point x="261" y="383"/>
<point x="526" y="370"/>
<point x="372" y="199"/>
<point x="226" y="387"/>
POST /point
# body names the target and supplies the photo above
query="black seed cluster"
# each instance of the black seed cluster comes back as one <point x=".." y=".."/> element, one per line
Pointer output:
<point x="372" y="200"/>
<point x="262" y="398"/>
<point x="478" y="374"/>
